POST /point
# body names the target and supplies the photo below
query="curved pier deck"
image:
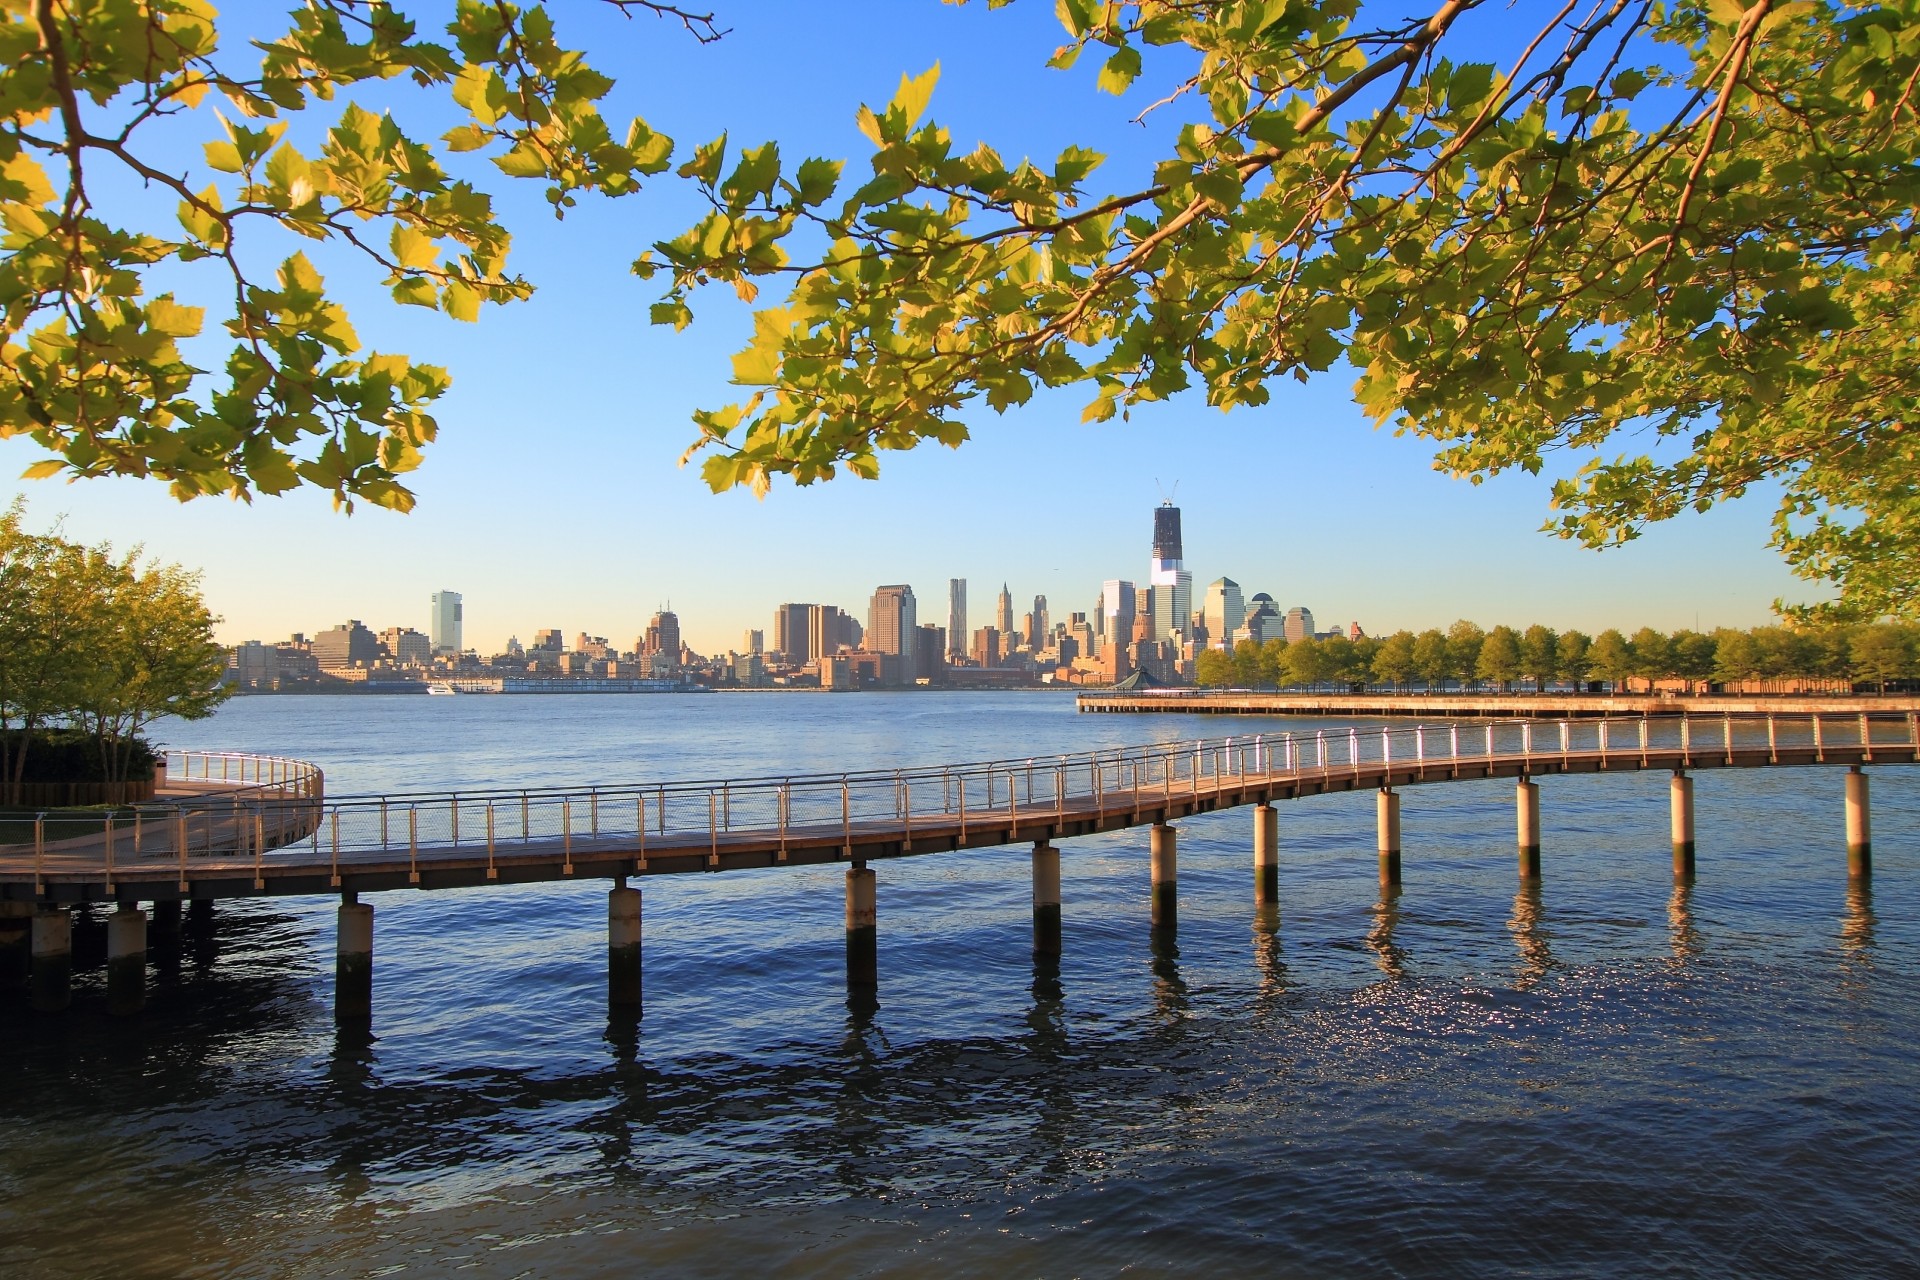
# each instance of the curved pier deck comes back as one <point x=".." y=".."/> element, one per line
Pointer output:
<point x="287" y="839"/>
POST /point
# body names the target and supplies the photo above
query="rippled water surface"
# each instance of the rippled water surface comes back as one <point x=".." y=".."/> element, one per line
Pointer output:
<point x="1605" y="1075"/>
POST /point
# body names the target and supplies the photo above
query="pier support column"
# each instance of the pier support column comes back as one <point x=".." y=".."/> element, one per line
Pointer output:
<point x="1859" y="826"/>
<point x="1046" y="899"/>
<point x="1266" y="855"/>
<point x="52" y="981"/>
<point x="1164" y="867"/>
<point x="1526" y="800"/>
<point x="623" y="946"/>
<point x="127" y="960"/>
<point x="200" y="914"/>
<point x="163" y="926"/>
<point x="1680" y="795"/>
<point x="863" y="920"/>
<point x="1387" y="819"/>
<point x="353" y="961"/>
<point x="16" y="944"/>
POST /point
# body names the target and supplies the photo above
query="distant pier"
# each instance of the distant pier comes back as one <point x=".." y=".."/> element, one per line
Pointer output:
<point x="1482" y="706"/>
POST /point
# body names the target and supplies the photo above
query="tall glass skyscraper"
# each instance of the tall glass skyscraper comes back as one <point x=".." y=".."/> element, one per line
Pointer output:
<point x="1172" y="584"/>
<point x="957" y="616"/>
<point x="446" y="624"/>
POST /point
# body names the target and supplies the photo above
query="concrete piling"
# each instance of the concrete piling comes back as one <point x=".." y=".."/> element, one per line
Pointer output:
<point x="127" y="960"/>
<point x="163" y="924"/>
<point x="1680" y="797"/>
<point x="1859" y="826"/>
<point x="1164" y="868"/>
<point x="863" y="939"/>
<point x="353" y="961"/>
<point x="623" y="946"/>
<point x="1526" y="798"/>
<point x="52" y="980"/>
<point x="1266" y="855"/>
<point x="1046" y="899"/>
<point x="16" y="944"/>
<point x="1387" y="819"/>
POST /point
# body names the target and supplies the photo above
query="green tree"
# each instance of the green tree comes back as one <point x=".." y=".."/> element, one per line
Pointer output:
<point x="1735" y="656"/>
<point x="1247" y="672"/>
<point x="1652" y="656"/>
<point x="1691" y="656"/>
<point x="1571" y="656"/>
<point x="1431" y="659"/>
<point x="53" y="619"/>
<point x="1463" y="650"/>
<point x="1213" y="669"/>
<point x="94" y="369"/>
<point x="1306" y="662"/>
<point x="1394" y="663"/>
<point x="1540" y="655"/>
<point x="1882" y="653"/>
<point x="1357" y="667"/>
<point x="1499" y="659"/>
<point x="1611" y="659"/>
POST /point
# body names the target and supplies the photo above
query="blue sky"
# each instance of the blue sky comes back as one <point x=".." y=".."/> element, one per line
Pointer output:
<point x="553" y="497"/>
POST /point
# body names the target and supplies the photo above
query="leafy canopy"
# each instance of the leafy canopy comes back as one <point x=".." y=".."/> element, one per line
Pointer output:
<point x="1683" y="229"/>
<point x="90" y="359"/>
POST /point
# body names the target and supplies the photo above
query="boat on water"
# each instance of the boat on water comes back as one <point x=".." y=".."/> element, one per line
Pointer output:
<point x="441" y="688"/>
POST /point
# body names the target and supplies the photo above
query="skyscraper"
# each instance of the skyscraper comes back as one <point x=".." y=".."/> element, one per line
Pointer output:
<point x="957" y="616"/>
<point x="1299" y="624"/>
<point x="892" y="622"/>
<point x="1172" y="584"/>
<point x="790" y="634"/>
<point x="1225" y="612"/>
<point x="1003" y="617"/>
<point x="1042" y="624"/>
<point x="826" y="631"/>
<point x="1116" y="611"/>
<point x="663" y="635"/>
<point x="445" y="625"/>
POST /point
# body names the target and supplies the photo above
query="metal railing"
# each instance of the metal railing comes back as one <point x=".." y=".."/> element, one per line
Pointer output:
<point x="224" y="803"/>
<point x="283" y="816"/>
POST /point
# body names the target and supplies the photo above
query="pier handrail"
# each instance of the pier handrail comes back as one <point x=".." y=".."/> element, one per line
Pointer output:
<point x="281" y="815"/>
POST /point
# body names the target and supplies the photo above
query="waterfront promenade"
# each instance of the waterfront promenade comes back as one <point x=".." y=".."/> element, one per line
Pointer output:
<point x="284" y="837"/>
<point x="1474" y="705"/>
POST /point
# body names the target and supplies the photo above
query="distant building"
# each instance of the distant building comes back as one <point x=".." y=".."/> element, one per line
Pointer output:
<point x="1354" y="632"/>
<point x="828" y="631"/>
<point x="790" y="634"/>
<point x="445" y="624"/>
<point x="1042" y="624"/>
<point x="548" y="641"/>
<point x="347" y="645"/>
<point x="892" y="621"/>
<point x="755" y="642"/>
<point x="930" y="653"/>
<point x="1003" y="617"/>
<point x="1299" y="624"/>
<point x="1116" y="610"/>
<point x="957" y="615"/>
<point x="1172" y="584"/>
<point x="986" y="647"/>
<point x="663" y="636"/>
<point x="407" y="647"/>
<point x="1224" y="611"/>
<point x="1264" y="621"/>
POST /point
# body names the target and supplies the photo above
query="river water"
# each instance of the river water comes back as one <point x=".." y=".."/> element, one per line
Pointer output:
<point x="1605" y="1076"/>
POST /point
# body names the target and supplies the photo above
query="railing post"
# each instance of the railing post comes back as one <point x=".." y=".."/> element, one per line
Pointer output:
<point x="713" y="831"/>
<point x="846" y="817"/>
<point x="1773" y="743"/>
<point x="783" y="802"/>
<point x="493" y="872"/>
<point x="1819" y="747"/>
<point x="566" y="835"/>
<point x="413" y="845"/>
<point x="1866" y="738"/>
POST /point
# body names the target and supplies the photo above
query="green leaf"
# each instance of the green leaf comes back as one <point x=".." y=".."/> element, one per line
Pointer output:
<point x="913" y="95"/>
<point x="706" y="162"/>
<point x="1120" y="70"/>
<point x="413" y="247"/>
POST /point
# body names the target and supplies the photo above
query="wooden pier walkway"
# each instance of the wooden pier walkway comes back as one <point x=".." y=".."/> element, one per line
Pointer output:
<point x="284" y="837"/>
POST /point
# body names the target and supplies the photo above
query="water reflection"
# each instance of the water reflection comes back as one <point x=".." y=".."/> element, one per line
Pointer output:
<point x="1170" y="995"/>
<point x="1683" y="939"/>
<point x="1268" y="957"/>
<point x="1536" y="956"/>
<point x="1857" y="924"/>
<point x="1391" y="958"/>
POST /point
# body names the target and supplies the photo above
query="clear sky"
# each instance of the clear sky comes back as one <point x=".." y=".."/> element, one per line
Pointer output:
<point x="554" y="498"/>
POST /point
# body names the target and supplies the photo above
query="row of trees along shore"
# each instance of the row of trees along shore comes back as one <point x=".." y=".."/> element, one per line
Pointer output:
<point x="1465" y="656"/>
<point x="94" y="647"/>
